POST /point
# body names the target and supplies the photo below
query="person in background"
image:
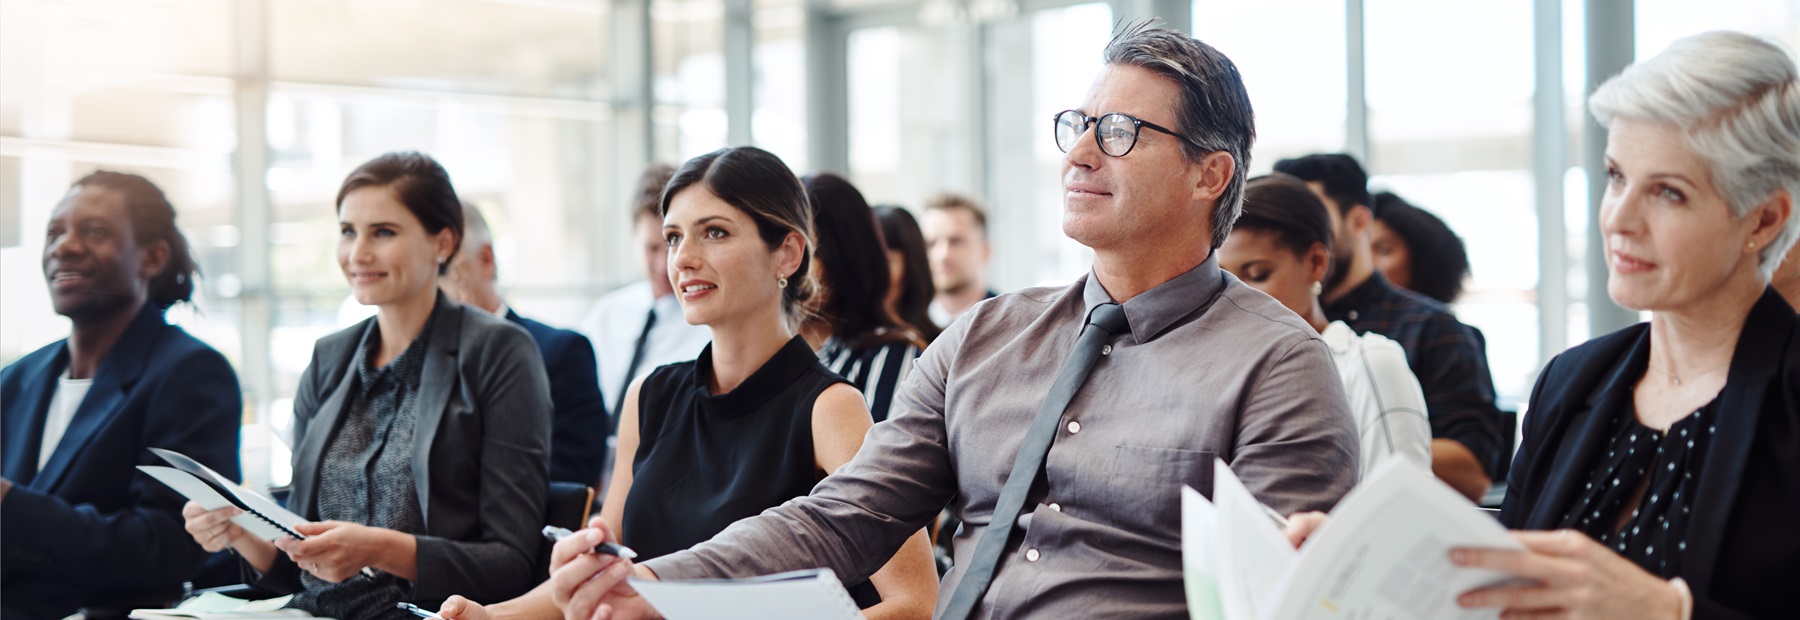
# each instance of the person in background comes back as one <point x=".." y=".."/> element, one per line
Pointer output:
<point x="755" y="420"/>
<point x="579" y="426"/>
<point x="909" y="271"/>
<point x="1664" y="454"/>
<point x="1448" y="357"/>
<point x="638" y="327"/>
<point x="1415" y="250"/>
<point x="855" y="332"/>
<point x="420" y="435"/>
<point x="1281" y="245"/>
<point x="956" y="240"/>
<point x="79" y="526"/>
<point x="1065" y="420"/>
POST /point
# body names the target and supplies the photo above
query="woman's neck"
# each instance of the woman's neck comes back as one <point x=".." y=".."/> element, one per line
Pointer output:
<point x="741" y="347"/>
<point x="1316" y="316"/>
<point x="401" y="321"/>
<point x="1698" y="340"/>
<point x="91" y="340"/>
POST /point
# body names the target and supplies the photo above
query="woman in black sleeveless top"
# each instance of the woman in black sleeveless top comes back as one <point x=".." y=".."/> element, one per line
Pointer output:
<point x="756" y="419"/>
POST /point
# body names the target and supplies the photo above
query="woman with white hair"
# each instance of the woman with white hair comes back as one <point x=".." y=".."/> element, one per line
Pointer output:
<point x="1671" y="450"/>
<point x="1666" y="455"/>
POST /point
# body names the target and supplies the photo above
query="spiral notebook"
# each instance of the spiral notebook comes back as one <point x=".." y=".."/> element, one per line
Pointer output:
<point x="262" y="517"/>
<point x="799" y="595"/>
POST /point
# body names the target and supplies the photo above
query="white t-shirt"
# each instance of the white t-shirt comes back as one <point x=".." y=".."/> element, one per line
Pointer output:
<point x="613" y="327"/>
<point x="67" y="399"/>
<point x="1384" y="396"/>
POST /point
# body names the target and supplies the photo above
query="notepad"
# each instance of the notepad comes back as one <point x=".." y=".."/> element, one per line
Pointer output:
<point x="215" y="606"/>
<point x="1384" y="553"/>
<point x="799" y="595"/>
<point x="262" y="517"/>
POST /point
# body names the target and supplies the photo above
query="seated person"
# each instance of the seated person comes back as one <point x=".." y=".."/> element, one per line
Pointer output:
<point x="420" y="435"/>
<point x="707" y="442"/>
<point x="909" y="271"/>
<point x="81" y="413"/>
<point x="1666" y="450"/>
<point x="1060" y="422"/>
<point x="1281" y="245"/>
<point x="1417" y="251"/>
<point x="578" y="429"/>
<point x="856" y="333"/>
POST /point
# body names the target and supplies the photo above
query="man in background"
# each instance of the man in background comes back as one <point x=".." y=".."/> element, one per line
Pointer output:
<point x="956" y="243"/>
<point x="578" y="428"/>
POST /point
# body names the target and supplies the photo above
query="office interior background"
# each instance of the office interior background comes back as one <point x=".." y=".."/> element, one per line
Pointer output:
<point x="249" y="113"/>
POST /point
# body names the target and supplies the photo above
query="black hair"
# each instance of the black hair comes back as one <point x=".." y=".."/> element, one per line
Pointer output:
<point x="902" y="234"/>
<point x="1342" y="177"/>
<point x="152" y="220"/>
<point x="853" y="258"/>
<point x="1284" y="206"/>
<point x="758" y="183"/>
<point x="421" y="184"/>
<point x="1439" y="260"/>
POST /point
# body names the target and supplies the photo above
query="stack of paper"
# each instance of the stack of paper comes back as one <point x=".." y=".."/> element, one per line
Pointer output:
<point x="215" y="606"/>
<point x="1384" y="553"/>
<point x="799" y="595"/>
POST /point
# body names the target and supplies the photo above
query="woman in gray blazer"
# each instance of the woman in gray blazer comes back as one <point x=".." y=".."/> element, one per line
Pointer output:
<point x="420" y="435"/>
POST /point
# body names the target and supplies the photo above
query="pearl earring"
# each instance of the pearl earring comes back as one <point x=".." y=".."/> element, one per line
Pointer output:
<point x="1318" y="288"/>
<point x="781" y="282"/>
<point x="440" y="260"/>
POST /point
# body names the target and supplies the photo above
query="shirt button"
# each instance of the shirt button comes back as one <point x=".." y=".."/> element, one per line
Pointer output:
<point x="1031" y="555"/>
<point x="1106" y="350"/>
<point x="1354" y="314"/>
<point x="1056" y="507"/>
<point x="1074" y="427"/>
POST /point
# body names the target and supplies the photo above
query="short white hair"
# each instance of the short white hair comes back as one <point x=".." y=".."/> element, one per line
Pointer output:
<point x="1738" y="97"/>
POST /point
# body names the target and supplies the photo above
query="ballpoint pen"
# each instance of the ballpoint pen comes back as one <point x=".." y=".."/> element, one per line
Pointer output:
<point x="1279" y="520"/>
<point x="417" y="611"/>
<point x="614" y="549"/>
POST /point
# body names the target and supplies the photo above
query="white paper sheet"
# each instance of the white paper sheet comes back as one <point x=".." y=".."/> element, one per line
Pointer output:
<point x="204" y="495"/>
<point x="1199" y="556"/>
<point x="799" y="595"/>
<point x="1255" y="554"/>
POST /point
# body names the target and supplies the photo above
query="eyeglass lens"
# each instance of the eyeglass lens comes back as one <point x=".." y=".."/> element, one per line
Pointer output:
<point x="1116" y="132"/>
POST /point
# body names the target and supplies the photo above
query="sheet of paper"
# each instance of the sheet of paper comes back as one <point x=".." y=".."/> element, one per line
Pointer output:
<point x="1200" y="556"/>
<point x="1384" y="553"/>
<point x="1255" y="554"/>
<point x="209" y="498"/>
<point x="800" y="595"/>
<point x="215" y="606"/>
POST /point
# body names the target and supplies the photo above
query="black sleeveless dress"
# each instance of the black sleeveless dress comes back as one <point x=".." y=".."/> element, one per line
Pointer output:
<point x="704" y="462"/>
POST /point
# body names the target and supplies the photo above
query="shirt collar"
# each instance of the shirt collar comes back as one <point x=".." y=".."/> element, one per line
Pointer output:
<point x="1154" y="311"/>
<point x="1364" y="296"/>
<point x="1338" y="336"/>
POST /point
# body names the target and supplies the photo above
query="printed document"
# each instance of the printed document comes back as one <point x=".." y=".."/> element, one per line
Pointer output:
<point x="799" y="595"/>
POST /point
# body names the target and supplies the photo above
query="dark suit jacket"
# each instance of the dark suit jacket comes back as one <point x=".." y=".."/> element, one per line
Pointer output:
<point x="578" y="429"/>
<point x="1743" y="546"/>
<point x="90" y="529"/>
<point x="478" y="460"/>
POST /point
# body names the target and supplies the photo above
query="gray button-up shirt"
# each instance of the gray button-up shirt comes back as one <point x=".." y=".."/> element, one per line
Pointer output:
<point x="1211" y="368"/>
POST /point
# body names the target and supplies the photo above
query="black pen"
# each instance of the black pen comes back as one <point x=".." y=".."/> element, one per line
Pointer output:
<point x="415" y="610"/>
<point x="613" y="549"/>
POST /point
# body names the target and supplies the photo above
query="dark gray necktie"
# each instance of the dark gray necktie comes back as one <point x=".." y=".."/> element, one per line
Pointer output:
<point x="1106" y="321"/>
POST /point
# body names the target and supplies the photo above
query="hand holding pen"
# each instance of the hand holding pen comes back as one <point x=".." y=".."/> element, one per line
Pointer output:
<point x="590" y="572"/>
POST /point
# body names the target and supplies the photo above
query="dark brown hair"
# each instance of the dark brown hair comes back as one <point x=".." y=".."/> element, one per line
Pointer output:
<point x="902" y="234"/>
<point x="950" y="202"/>
<point x="756" y="182"/>
<point x="421" y="184"/>
<point x="853" y="258"/>
<point x="647" y="202"/>
<point x="1282" y="205"/>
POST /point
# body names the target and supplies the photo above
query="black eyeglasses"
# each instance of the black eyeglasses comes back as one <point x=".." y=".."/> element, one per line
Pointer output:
<point x="1115" y="132"/>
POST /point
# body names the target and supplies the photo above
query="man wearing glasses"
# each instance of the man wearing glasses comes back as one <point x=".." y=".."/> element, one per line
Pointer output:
<point x="1065" y="420"/>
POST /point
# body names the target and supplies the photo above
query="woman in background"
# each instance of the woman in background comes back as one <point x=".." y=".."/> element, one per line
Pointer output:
<point x="853" y="329"/>
<point x="1416" y="250"/>
<point x="909" y="271"/>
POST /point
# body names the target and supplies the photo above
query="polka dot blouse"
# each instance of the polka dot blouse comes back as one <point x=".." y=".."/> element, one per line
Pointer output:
<point x="1655" y="532"/>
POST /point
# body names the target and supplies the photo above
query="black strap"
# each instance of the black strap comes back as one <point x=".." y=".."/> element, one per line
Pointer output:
<point x="637" y="359"/>
<point x="1110" y="321"/>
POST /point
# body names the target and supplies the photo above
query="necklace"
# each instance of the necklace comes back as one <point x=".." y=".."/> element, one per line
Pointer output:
<point x="1677" y="380"/>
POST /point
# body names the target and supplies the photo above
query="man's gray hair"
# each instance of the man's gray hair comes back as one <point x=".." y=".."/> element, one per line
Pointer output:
<point x="1213" y="112"/>
<point x="1737" y="97"/>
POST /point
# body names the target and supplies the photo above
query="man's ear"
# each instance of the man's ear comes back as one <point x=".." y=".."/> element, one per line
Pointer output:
<point x="1360" y="220"/>
<point x="489" y="267"/>
<point x="1216" y="171"/>
<point x="156" y="257"/>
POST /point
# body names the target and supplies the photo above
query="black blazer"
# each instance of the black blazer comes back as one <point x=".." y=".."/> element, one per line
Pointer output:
<point x="578" y="428"/>
<point x="1743" y="554"/>
<point x="479" y="461"/>
<point x="90" y="530"/>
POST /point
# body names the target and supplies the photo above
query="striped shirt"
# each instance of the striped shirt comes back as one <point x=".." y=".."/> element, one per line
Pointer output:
<point x="876" y="370"/>
<point x="1384" y="397"/>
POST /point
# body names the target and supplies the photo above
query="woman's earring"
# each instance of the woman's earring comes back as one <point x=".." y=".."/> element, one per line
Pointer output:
<point x="781" y="282"/>
<point x="1318" y="288"/>
<point x="440" y="260"/>
<point x="1752" y="245"/>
